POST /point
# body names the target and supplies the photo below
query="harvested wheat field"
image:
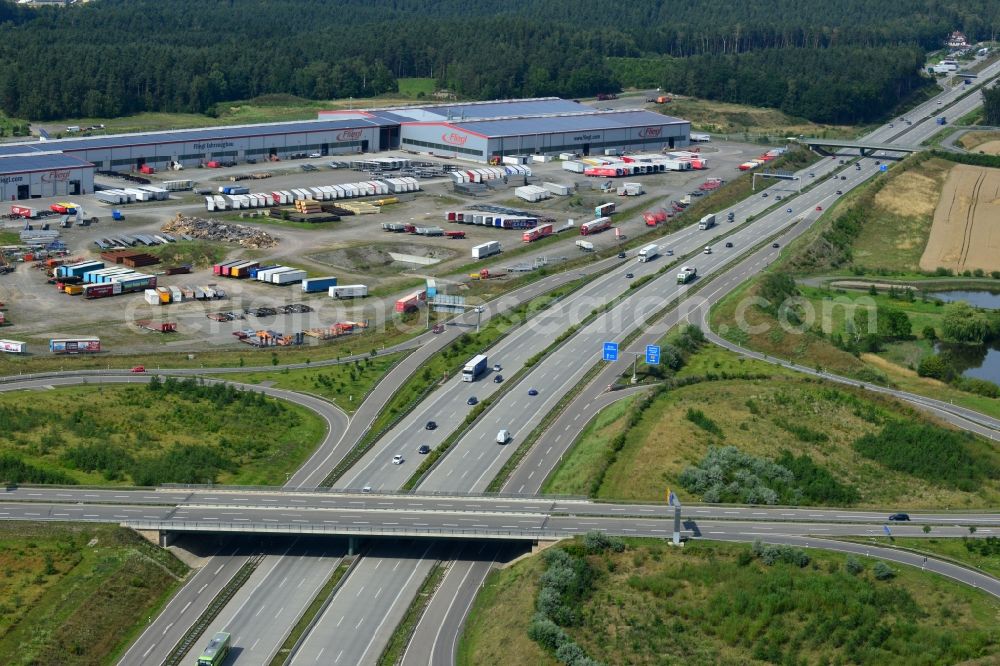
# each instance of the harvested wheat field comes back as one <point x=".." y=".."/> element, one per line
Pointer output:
<point x="966" y="230"/>
<point x="990" y="148"/>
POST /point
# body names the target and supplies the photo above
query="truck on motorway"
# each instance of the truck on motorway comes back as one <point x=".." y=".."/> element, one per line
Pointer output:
<point x="486" y="250"/>
<point x="586" y="246"/>
<point x="474" y="368"/>
<point x="687" y="274"/>
<point x="349" y="291"/>
<point x="707" y="222"/>
<point x="649" y="252"/>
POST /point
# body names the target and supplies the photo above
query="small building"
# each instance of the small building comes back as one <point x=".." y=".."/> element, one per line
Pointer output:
<point x="35" y="175"/>
<point x="957" y="40"/>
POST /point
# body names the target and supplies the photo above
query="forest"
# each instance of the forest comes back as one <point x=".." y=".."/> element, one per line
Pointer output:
<point x="826" y="60"/>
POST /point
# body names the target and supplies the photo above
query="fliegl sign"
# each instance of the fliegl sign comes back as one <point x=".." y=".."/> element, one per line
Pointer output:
<point x="454" y="138"/>
<point x="650" y="132"/>
<point x="350" y="135"/>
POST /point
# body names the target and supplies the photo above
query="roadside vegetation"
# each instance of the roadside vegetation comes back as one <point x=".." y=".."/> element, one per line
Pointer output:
<point x="345" y="385"/>
<point x="890" y="330"/>
<point x="722" y="428"/>
<point x="76" y="594"/>
<point x="980" y="552"/>
<point x="607" y="601"/>
<point x="169" y="431"/>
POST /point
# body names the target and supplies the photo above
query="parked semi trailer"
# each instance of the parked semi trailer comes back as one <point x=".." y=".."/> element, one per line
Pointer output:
<point x="349" y="291"/>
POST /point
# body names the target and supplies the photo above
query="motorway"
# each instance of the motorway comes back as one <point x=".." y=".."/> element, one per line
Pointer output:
<point x="512" y="409"/>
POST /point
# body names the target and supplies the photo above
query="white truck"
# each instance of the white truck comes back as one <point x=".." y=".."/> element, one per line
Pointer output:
<point x="586" y="246"/>
<point x="349" y="291"/>
<point x="687" y="274"/>
<point x="486" y="250"/>
<point x="707" y="222"/>
<point x="649" y="252"/>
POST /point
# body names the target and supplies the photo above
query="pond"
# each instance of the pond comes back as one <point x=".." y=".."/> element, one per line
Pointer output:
<point x="979" y="361"/>
<point x="980" y="299"/>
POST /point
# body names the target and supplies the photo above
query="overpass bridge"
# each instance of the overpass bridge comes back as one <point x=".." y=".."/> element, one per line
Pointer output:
<point x="865" y="148"/>
<point x="162" y="514"/>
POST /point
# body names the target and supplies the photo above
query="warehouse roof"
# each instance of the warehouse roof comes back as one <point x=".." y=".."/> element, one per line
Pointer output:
<point x="40" y="162"/>
<point x="472" y="110"/>
<point x="184" y="136"/>
<point x="574" y="122"/>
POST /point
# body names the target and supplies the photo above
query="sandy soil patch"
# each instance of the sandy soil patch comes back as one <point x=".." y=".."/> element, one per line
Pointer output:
<point x="990" y="148"/>
<point x="966" y="230"/>
<point x="912" y="194"/>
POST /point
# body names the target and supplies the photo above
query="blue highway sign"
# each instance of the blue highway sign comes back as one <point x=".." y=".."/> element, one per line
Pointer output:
<point x="652" y="355"/>
<point x="610" y="351"/>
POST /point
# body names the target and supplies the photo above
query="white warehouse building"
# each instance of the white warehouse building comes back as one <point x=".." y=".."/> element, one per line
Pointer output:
<point x="44" y="175"/>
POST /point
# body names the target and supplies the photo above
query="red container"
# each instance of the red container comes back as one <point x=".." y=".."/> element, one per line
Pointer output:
<point x="145" y="168"/>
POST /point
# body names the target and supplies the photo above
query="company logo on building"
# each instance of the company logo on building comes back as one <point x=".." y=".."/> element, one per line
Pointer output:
<point x="10" y="179"/>
<point x="455" y="139"/>
<point x="650" y="132"/>
<point x="212" y="144"/>
<point x="55" y="176"/>
<point x="350" y="134"/>
<point x="586" y="137"/>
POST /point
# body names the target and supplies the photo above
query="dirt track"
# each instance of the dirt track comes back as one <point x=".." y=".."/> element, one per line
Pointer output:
<point x="966" y="230"/>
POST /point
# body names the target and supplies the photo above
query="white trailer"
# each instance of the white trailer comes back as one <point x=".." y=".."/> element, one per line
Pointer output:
<point x="586" y="246"/>
<point x="486" y="250"/>
<point x="289" y="277"/>
<point x="349" y="291"/>
<point x="707" y="222"/>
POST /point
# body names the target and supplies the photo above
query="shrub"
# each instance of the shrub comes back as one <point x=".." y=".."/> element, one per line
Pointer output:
<point x="771" y="554"/>
<point x="933" y="366"/>
<point x="697" y="417"/>
<point x="977" y="386"/>
<point x="929" y="333"/>
<point x="940" y="456"/>
<point x="883" y="571"/>
<point x="853" y="565"/>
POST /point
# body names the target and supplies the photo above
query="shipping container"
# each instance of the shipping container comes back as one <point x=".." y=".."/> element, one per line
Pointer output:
<point x="411" y="301"/>
<point x="288" y="277"/>
<point x="486" y="250"/>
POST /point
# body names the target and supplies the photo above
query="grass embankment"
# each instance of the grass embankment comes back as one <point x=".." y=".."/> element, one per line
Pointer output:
<point x="78" y="593"/>
<point x="753" y="121"/>
<point x="731" y="603"/>
<point x="981" y="553"/>
<point x="164" y="432"/>
<point x="10" y="238"/>
<point x="839" y="440"/>
<point x="344" y="385"/>
<point x="197" y="253"/>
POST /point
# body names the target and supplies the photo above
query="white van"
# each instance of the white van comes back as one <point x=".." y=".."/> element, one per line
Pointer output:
<point x="503" y="437"/>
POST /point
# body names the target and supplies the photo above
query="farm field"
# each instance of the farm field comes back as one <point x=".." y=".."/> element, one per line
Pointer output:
<point x="77" y="594"/>
<point x="964" y="235"/>
<point x="166" y="432"/>
<point x="731" y="604"/>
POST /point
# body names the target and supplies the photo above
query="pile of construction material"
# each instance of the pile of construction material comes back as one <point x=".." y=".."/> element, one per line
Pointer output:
<point x="197" y="227"/>
<point x="307" y="206"/>
<point x="130" y="258"/>
<point x="360" y="208"/>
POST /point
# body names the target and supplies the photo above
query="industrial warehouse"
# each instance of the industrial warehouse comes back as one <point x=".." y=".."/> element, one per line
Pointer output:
<point x="476" y="131"/>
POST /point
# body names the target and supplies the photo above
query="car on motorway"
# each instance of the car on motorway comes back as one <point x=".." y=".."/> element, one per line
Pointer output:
<point x="819" y="208"/>
<point x="366" y="489"/>
<point x="763" y="194"/>
<point x="431" y="425"/>
<point x="397" y="459"/>
<point x="497" y="379"/>
<point x="729" y="243"/>
<point x="621" y="255"/>
<point x="891" y="125"/>
<point x="843" y="177"/>
<point x="532" y="391"/>
<point x="707" y="250"/>
<point x="438" y="328"/>
<point x="629" y="276"/>
<point x="812" y="175"/>
<point x="840" y="191"/>
<point x="424" y="449"/>
<point x="788" y="210"/>
<point x="878" y="162"/>
<point x="899" y="517"/>
<point x="473" y="400"/>
<point x="778" y="198"/>
<point x="139" y="368"/>
<point x="503" y="437"/>
<point x="670" y="253"/>
<point x="496" y="367"/>
<point x="775" y="245"/>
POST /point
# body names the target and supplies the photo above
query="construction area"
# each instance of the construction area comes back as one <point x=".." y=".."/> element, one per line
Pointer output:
<point x="965" y="235"/>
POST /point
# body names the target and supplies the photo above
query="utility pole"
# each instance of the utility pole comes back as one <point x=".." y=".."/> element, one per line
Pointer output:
<point x="635" y="362"/>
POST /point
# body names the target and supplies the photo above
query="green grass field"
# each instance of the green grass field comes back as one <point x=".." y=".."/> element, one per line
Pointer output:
<point x="9" y="238"/>
<point x="715" y="603"/>
<point x="197" y="253"/>
<point x="761" y="417"/>
<point x="148" y="435"/>
<point x="344" y="385"/>
<point x="76" y="594"/>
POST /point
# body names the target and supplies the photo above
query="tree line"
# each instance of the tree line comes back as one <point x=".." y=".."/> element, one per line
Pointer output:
<point x="814" y="58"/>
